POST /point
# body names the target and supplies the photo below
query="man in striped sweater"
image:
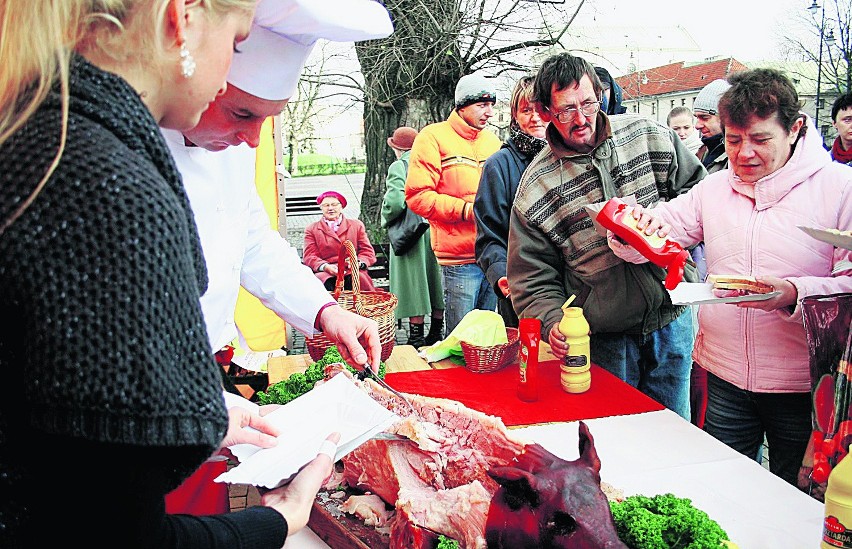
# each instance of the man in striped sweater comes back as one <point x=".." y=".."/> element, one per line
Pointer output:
<point x="555" y="252"/>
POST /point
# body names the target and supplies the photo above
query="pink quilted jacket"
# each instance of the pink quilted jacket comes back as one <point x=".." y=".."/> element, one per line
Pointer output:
<point x="752" y="349"/>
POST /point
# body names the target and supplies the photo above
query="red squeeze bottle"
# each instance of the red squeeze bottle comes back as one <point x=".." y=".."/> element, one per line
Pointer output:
<point x="530" y="336"/>
<point x="660" y="251"/>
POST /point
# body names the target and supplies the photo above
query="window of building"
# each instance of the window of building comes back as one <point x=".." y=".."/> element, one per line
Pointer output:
<point x="672" y="106"/>
<point x="653" y="108"/>
<point x="683" y="101"/>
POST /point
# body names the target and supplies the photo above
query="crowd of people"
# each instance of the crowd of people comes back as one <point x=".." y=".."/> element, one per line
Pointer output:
<point x="729" y="179"/>
<point x="129" y="221"/>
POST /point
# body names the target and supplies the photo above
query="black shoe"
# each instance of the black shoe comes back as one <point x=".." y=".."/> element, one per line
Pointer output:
<point x="435" y="331"/>
<point x="415" y="335"/>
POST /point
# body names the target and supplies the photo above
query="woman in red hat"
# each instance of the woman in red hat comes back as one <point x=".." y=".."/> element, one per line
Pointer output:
<point x="324" y="239"/>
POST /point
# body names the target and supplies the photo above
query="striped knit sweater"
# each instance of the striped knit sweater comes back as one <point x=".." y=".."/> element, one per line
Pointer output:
<point x="554" y="249"/>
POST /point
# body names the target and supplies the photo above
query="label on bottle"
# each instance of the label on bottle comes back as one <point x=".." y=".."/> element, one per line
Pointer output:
<point x="836" y="534"/>
<point x="575" y="360"/>
<point x="522" y="366"/>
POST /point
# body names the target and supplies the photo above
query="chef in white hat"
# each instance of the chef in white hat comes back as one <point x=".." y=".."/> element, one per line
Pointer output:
<point x="239" y="246"/>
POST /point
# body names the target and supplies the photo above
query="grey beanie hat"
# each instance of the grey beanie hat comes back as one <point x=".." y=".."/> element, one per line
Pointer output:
<point x="708" y="98"/>
<point x="474" y="88"/>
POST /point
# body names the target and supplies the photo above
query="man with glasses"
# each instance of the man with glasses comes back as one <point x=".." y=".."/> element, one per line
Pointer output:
<point x="555" y="252"/>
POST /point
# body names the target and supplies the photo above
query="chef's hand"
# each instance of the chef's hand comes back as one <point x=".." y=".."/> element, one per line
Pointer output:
<point x="295" y="499"/>
<point x="558" y="344"/>
<point x="356" y="337"/>
<point x="263" y="435"/>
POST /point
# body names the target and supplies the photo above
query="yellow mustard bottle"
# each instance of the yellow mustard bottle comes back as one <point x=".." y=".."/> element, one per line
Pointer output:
<point x="837" y="528"/>
<point x="575" y="375"/>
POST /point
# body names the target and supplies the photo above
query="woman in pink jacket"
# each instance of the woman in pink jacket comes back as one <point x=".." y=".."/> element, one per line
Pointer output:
<point x="779" y="177"/>
<point x="324" y="239"/>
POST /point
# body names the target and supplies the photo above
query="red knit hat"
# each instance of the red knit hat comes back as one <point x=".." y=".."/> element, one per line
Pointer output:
<point x="332" y="194"/>
<point x="402" y="138"/>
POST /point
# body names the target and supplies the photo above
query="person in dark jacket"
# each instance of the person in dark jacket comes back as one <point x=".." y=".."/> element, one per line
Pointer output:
<point x="496" y="193"/>
<point x="611" y="93"/>
<point x="841" y="119"/>
<point x="706" y="106"/>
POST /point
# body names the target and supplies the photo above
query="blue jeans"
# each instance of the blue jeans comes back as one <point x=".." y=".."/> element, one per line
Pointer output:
<point x="742" y="418"/>
<point x="657" y="364"/>
<point x="465" y="289"/>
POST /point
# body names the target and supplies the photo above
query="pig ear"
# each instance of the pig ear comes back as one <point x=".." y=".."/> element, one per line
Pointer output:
<point x="588" y="454"/>
<point x="520" y="488"/>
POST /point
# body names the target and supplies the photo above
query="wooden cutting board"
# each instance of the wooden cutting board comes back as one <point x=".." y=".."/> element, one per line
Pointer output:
<point x="341" y="530"/>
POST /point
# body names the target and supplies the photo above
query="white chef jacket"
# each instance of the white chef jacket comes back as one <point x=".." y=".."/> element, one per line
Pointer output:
<point x="240" y="248"/>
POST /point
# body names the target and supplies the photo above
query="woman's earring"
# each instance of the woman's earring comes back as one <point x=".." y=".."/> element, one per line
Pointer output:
<point x="187" y="63"/>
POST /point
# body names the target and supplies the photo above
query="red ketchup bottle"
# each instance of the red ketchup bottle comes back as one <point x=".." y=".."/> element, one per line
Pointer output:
<point x="530" y="336"/>
<point x="662" y="252"/>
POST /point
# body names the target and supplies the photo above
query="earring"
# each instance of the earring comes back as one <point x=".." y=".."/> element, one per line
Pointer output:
<point x="187" y="63"/>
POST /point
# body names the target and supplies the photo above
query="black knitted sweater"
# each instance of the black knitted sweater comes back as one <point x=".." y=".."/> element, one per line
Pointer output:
<point x="110" y="396"/>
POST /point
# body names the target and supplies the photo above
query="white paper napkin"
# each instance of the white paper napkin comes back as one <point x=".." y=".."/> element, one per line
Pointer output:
<point x="337" y="405"/>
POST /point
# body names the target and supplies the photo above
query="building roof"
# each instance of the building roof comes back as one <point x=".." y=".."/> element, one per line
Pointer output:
<point x="677" y="77"/>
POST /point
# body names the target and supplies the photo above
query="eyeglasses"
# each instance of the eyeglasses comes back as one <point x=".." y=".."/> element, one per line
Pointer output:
<point x="589" y="108"/>
<point x="330" y="205"/>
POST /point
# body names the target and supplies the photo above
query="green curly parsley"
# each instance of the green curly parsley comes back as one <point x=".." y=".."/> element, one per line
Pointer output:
<point x="300" y="383"/>
<point x="446" y="543"/>
<point x="665" y="521"/>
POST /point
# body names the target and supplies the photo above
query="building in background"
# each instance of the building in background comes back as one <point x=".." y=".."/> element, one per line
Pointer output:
<point x="655" y="91"/>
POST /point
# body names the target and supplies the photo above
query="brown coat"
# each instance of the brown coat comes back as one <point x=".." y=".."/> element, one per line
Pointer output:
<point x="322" y="245"/>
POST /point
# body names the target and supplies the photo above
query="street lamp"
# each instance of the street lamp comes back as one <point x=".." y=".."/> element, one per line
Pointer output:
<point x="828" y="40"/>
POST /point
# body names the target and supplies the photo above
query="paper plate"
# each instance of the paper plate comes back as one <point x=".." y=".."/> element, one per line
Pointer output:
<point x="701" y="293"/>
<point x="837" y="240"/>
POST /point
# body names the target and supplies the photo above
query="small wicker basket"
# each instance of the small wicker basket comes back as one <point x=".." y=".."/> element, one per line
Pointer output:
<point x="378" y="305"/>
<point x="482" y="360"/>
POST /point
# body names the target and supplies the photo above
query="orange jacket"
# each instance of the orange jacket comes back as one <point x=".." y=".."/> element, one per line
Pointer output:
<point x="443" y="176"/>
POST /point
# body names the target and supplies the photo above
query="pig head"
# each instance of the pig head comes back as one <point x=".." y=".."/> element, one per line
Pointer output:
<point x="547" y="502"/>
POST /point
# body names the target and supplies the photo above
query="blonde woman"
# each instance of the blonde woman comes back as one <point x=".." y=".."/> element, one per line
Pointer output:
<point x="116" y="397"/>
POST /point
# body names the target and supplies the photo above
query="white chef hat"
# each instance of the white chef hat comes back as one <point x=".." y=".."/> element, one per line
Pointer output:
<point x="284" y="32"/>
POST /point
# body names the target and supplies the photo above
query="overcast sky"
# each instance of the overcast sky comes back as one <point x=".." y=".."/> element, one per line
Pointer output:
<point x="742" y="28"/>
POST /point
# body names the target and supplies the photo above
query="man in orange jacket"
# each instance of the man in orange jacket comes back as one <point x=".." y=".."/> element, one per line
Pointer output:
<point x="443" y="177"/>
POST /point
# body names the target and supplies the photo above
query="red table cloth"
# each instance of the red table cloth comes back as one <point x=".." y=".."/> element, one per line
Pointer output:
<point x="199" y="495"/>
<point x="495" y="394"/>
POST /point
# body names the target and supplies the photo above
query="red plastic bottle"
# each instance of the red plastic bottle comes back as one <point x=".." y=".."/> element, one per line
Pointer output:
<point x="530" y="336"/>
<point x="662" y="252"/>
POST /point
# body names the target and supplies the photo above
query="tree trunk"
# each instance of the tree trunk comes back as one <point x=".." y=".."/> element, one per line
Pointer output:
<point x="293" y="161"/>
<point x="379" y="123"/>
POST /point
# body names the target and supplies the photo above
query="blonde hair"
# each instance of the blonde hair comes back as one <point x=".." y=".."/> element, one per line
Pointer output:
<point x="523" y="92"/>
<point x="38" y="37"/>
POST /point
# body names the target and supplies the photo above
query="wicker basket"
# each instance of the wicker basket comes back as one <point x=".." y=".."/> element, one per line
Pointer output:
<point x="483" y="360"/>
<point x="378" y="305"/>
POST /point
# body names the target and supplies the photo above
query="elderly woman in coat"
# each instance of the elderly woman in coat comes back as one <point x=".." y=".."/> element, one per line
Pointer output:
<point x="415" y="277"/>
<point x="324" y="242"/>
